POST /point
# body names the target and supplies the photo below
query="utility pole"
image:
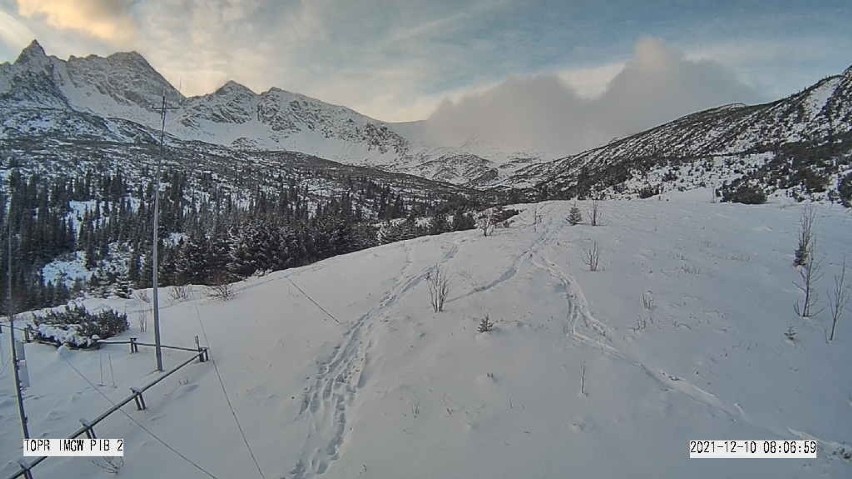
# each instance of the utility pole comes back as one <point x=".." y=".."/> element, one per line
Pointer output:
<point x="21" y="413"/>
<point x="155" y="247"/>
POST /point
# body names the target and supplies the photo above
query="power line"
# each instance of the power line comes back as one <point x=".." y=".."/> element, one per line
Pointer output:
<point x="3" y="362"/>
<point x="161" y="441"/>
<point x="228" y="399"/>
<point x="313" y="301"/>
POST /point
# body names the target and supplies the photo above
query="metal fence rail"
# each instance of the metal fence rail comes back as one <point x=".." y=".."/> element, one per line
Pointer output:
<point x="88" y="427"/>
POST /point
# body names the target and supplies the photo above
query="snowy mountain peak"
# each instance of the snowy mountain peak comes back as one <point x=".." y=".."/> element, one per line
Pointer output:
<point x="33" y="56"/>
<point x="232" y="87"/>
<point x="125" y="86"/>
<point x="131" y="58"/>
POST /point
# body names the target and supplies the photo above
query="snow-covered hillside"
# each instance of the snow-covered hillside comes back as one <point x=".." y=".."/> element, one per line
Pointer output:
<point x="816" y="123"/>
<point x="124" y="86"/>
<point x="44" y="96"/>
<point x="681" y="335"/>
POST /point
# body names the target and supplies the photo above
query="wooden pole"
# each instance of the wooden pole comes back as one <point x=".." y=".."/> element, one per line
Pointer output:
<point x="21" y="413"/>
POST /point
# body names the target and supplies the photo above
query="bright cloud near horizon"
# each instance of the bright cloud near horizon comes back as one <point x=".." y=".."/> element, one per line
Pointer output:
<point x="508" y="69"/>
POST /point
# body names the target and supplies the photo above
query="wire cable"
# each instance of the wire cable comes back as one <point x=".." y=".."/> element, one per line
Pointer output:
<point x="161" y="441"/>
<point x="227" y="398"/>
<point x="313" y="301"/>
<point x="3" y="361"/>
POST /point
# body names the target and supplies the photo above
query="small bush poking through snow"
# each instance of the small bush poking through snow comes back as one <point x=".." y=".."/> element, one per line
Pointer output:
<point x="439" y="288"/>
<point x="806" y="236"/>
<point x="78" y="327"/>
<point x="574" y="216"/>
<point x="485" y="325"/>
<point x="791" y="334"/>
<point x="485" y="221"/>
<point x="142" y="321"/>
<point x="595" y="213"/>
<point x="142" y="296"/>
<point x="592" y="257"/>
<point x="223" y="291"/>
<point x="179" y="292"/>
<point x="746" y="194"/>
<point x="111" y="465"/>
<point x="838" y="298"/>
<point x="809" y="274"/>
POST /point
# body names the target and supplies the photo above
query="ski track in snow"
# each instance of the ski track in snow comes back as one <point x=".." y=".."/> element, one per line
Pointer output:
<point x="506" y="275"/>
<point x="327" y="399"/>
<point x="578" y="309"/>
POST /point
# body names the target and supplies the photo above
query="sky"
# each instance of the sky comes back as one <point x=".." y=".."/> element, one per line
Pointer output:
<point x="503" y="70"/>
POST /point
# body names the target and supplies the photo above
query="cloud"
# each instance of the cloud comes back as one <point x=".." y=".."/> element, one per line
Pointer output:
<point x="397" y="61"/>
<point x="103" y="19"/>
<point x="13" y="33"/>
<point x="546" y="113"/>
<point x="591" y="82"/>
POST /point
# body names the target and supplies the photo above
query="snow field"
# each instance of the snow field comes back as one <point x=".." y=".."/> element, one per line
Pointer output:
<point x="375" y="384"/>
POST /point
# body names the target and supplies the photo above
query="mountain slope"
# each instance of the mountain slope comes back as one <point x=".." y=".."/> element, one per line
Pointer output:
<point x="43" y="95"/>
<point x="819" y="116"/>
<point x="577" y="379"/>
<point x="124" y="86"/>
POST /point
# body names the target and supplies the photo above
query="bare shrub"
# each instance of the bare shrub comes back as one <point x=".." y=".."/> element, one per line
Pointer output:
<point x="648" y="301"/>
<point x="485" y="221"/>
<point x="647" y="316"/>
<point x="142" y="296"/>
<point x="790" y="334"/>
<point x="583" y="379"/>
<point x="809" y="274"/>
<point x="142" y="320"/>
<point x="838" y="298"/>
<point x="689" y="268"/>
<point x="221" y="289"/>
<point x="179" y="292"/>
<point x="806" y="236"/>
<point x="439" y="288"/>
<point x="109" y="464"/>
<point x="595" y="213"/>
<point x="485" y="325"/>
<point x="592" y="257"/>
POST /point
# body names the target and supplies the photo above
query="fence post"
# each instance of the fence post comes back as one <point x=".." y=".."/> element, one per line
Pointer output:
<point x="90" y="431"/>
<point x="133" y="347"/>
<point x="25" y="469"/>
<point x="201" y="358"/>
<point x="27" y="334"/>
<point x="140" y="401"/>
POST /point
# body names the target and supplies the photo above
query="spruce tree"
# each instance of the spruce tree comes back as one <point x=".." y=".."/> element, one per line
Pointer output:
<point x="575" y="216"/>
<point x="438" y="224"/>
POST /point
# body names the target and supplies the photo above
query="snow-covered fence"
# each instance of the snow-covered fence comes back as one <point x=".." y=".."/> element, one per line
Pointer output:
<point x="26" y="330"/>
<point x="87" y="428"/>
<point x="134" y="346"/>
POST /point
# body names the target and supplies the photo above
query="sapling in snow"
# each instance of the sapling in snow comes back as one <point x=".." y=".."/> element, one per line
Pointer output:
<point x="806" y="236"/>
<point x="439" y="288"/>
<point x="592" y="257"/>
<point x="809" y="274"/>
<point x="221" y="289"/>
<point x="595" y="213"/>
<point x="838" y="298"/>
<point x="485" y="325"/>
<point x="574" y="216"/>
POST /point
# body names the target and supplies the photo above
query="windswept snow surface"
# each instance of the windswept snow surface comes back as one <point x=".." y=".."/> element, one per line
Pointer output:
<point x="377" y="385"/>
